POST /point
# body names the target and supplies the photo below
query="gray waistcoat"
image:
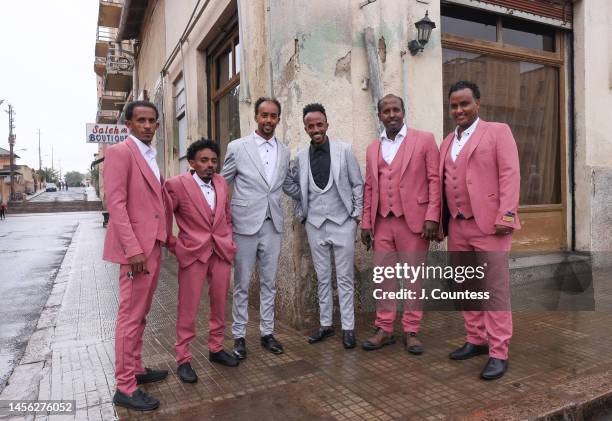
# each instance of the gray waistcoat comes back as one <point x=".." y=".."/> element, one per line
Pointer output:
<point x="325" y="204"/>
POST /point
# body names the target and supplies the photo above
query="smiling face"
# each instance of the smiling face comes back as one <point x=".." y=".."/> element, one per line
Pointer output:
<point x="315" y="124"/>
<point x="464" y="107"/>
<point x="143" y="124"/>
<point x="205" y="163"/>
<point x="267" y="118"/>
<point x="391" y="115"/>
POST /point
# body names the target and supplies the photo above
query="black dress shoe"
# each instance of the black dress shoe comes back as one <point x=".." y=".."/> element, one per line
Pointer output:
<point x="139" y="401"/>
<point x="494" y="369"/>
<point x="240" y="351"/>
<point x="320" y="334"/>
<point x="271" y="344"/>
<point x="186" y="373"/>
<point x="151" y="376"/>
<point x="469" y="350"/>
<point x="348" y="339"/>
<point x="223" y="358"/>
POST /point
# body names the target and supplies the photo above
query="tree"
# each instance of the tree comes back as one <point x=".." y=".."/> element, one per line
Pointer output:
<point x="73" y="178"/>
<point x="49" y="175"/>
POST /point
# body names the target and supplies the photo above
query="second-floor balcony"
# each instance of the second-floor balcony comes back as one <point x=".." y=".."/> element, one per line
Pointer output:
<point x="105" y="37"/>
<point x="119" y="68"/>
<point x="107" y="116"/>
<point x="109" y="13"/>
<point x="112" y="101"/>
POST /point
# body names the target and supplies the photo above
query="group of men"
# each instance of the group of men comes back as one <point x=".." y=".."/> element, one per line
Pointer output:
<point x="411" y="187"/>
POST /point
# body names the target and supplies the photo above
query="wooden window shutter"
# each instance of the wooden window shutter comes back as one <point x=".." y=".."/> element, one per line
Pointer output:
<point x="555" y="9"/>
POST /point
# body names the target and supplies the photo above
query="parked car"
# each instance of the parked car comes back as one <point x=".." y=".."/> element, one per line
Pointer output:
<point x="51" y="187"/>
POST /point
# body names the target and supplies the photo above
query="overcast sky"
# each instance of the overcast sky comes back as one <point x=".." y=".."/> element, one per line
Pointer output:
<point x="46" y="73"/>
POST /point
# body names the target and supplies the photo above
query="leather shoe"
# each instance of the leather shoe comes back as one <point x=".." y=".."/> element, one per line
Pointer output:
<point x="412" y="344"/>
<point x="139" y="401"/>
<point x="348" y="339"/>
<point x="469" y="350"/>
<point x="186" y="373"/>
<point x="240" y="351"/>
<point x="223" y="358"/>
<point x="380" y="339"/>
<point x="151" y="376"/>
<point x="320" y="334"/>
<point x="271" y="344"/>
<point x="494" y="369"/>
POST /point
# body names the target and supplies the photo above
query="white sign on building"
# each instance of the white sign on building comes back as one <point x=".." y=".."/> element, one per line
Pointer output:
<point x="106" y="133"/>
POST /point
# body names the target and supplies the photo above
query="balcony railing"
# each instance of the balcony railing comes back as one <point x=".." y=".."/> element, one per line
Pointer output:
<point x="107" y="116"/>
<point x="100" y="65"/>
<point x="112" y="101"/>
<point x="104" y="37"/>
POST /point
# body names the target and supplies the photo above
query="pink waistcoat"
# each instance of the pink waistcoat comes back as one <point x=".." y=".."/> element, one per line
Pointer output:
<point x="455" y="186"/>
<point x="388" y="183"/>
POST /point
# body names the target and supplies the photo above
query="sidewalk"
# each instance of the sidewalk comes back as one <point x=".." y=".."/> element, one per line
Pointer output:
<point x="558" y="362"/>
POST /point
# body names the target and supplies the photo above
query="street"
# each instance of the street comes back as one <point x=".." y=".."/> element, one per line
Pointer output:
<point x="32" y="248"/>
<point x="73" y="193"/>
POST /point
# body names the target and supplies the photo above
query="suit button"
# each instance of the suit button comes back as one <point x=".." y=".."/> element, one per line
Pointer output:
<point x="156" y="216"/>
<point x="455" y="187"/>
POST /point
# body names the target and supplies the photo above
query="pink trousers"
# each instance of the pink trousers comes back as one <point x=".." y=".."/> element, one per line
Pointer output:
<point x="394" y="242"/>
<point x="135" y="296"/>
<point x="482" y="327"/>
<point x="191" y="282"/>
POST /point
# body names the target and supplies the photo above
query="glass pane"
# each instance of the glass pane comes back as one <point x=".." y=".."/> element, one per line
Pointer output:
<point x="526" y="97"/>
<point x="223" y="69"/>
<point x="469" y="23"/>
<point x="237" y="49"/>
<point x="182" y="137"/>
<point x="527" y="34"/>
<point x="227" y="119"/>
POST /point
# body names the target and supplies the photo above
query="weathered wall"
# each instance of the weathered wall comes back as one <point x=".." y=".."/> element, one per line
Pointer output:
<point x="593" y="74"/>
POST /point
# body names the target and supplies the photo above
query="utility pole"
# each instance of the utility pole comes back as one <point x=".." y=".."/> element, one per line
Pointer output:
<point x="11" y="139"/>
<point x="39" y="155"/>
<point x="52" y="168"/>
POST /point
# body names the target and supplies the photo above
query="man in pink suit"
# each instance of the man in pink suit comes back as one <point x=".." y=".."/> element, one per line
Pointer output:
<point x="204" y="250"/>
<point x="479" y="169"/>
<point x="401" y="211"/>
<point x="136" y="231"/>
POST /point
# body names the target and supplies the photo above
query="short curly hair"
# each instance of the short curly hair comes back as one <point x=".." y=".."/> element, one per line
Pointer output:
<point x="198" y="145"/>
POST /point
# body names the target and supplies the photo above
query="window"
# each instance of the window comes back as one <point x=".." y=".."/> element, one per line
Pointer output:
<point x="180" y="103"/>
<point x="472" y="23"/>
<point x="224" y="69"/>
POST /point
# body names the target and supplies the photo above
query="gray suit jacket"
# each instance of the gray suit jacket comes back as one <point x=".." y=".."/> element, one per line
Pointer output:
<point x="252" y="194"/>
<point x="344" y="170"/>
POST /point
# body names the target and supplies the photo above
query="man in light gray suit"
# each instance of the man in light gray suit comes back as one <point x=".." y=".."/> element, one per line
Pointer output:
<point x="257" y="165"/>
<point x="325" y="180"/>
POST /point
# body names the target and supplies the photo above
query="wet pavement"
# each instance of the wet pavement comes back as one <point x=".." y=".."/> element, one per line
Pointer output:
<point x="32" y="248"/>
<point x="73" y="194"/>
<point x="557" y="360"/>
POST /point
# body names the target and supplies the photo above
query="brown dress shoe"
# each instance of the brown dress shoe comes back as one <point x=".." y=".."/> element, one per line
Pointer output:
<point x="380" y="339"/>
<point x="412" y="343"/>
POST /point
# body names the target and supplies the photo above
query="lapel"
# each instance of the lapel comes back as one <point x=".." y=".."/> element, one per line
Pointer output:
<point x="197" y="198"/>
<point x="304" y="161"/>
<point x="335" y="155"/>
<point x="408" y="144"/>
<point x="477" y="136"/>
<point x="280" y="152"/>
<point x="221" y="198"/>
<point x="251" y="147"/>
<point x="444" y="148"/>
<point x="376" y="153"/>
<point x="144" y="168"/>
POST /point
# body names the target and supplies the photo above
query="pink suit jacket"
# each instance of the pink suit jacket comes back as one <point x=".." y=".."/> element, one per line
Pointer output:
<point x="134" y="200"/>
<point x="419" y="181"/>
<point x="200" y="233"/>
<point x="493" y="175"/>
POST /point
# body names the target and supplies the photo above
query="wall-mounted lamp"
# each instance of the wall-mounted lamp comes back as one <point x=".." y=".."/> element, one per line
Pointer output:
<point x="424" y="28"/>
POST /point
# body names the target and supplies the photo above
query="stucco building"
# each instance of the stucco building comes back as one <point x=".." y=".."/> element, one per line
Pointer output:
<point x="544" y="66"/>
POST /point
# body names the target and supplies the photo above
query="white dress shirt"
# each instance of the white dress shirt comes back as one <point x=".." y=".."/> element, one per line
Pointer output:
<point x="149" y="154"/>
<point x="459" y="143"/>
<point x="208" y="190"/>
<point x="268" y="151"/>
<point x="389" y="147"/>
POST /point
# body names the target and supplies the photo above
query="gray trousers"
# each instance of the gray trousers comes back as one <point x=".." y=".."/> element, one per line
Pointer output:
<point x="340" y="238"/>
<point x="264" y="248"/>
